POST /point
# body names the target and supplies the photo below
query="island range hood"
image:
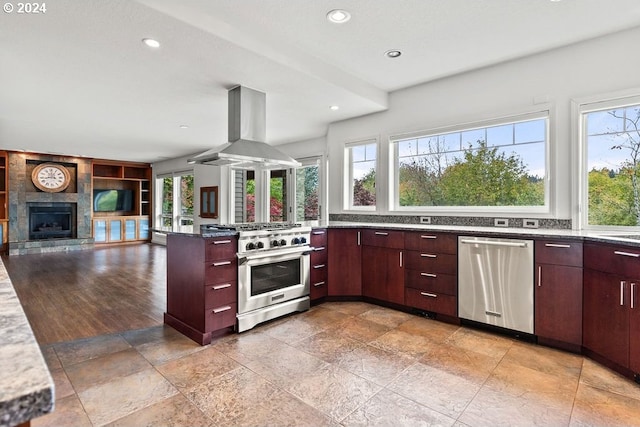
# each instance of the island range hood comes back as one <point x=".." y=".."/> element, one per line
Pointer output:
<point x="247" y="133"/>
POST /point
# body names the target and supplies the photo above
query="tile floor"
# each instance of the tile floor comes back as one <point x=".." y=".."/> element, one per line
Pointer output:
<point x="346" y="363"/>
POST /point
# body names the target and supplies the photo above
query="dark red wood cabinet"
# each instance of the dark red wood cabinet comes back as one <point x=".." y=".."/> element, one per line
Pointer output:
<point x="344" y="258"/>
<point x="431" y="272"/>
<point x="611" y="322"/>
<point x="383" y="274"/>
<point x="201" y="285"/>
<point x="558" y="293"/>
<point x="319" y="268"/>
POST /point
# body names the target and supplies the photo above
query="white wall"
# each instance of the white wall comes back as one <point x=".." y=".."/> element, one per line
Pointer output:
<point x="600" y="66"/>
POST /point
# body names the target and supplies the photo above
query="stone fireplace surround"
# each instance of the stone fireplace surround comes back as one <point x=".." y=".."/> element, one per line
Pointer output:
<point x="22" y="193"/>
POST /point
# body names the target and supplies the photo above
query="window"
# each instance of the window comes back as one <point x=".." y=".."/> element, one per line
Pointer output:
<point x="611" y="143"/>
<point x="498" y="166"/>
<point x="253" y="186"/>
<point x="244" y="195"/>
<point x="361" y="163"/>
<point x="278" y="195"/>
<point x="307" y="191"/>
<point x="176" y="199"/>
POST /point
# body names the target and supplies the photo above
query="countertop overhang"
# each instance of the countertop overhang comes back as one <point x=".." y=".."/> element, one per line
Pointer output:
<point x="26" y="385"/>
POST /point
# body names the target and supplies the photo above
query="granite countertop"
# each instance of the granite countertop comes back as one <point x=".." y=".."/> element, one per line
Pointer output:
<point x="26" y="386"/>
<point x="620" y="237"/>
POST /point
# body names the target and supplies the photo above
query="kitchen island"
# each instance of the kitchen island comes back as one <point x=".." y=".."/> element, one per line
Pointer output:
<point x="26" y="386"/>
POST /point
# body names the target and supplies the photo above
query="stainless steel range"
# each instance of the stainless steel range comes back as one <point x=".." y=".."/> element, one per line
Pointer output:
<point x="273" y="271"/>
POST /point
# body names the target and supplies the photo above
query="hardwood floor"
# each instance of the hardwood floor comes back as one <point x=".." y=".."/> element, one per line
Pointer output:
<point x="71" y="295"/>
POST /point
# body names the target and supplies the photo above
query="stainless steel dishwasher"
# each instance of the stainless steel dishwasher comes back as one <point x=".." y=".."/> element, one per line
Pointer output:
<point x="495" y="282"/>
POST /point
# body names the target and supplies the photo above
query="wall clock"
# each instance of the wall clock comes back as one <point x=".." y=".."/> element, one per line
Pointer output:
<point x="51" y="177"/>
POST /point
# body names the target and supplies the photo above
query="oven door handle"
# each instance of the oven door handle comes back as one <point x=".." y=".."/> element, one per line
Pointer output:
<point x="243" y="258"/>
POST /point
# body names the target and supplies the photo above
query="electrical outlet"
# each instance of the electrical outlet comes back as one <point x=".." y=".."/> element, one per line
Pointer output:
<point x="425" y="220"/>
<point x="501" y="222"/>
<point x="530" y="223"/>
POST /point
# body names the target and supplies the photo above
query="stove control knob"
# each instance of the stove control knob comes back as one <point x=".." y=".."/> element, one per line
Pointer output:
<point x="275" y="243"/>
<point x="260" y="245"/>
<point x="283" y="242"/>
<point x="250" y="246"/>
<point x="295" y="241"/>
<point x="303" y="240"/>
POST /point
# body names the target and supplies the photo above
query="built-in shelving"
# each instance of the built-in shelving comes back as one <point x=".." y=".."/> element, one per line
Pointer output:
<point x="129" y="225"/>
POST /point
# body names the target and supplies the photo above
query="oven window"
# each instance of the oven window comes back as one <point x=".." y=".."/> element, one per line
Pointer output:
<point x="275" y="275"/>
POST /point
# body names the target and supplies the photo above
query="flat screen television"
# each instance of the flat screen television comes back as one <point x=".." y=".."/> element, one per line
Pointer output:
<point x="112" y="200"/>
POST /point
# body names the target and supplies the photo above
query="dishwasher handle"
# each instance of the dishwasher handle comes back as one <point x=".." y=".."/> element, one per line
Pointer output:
<point x="494" y="243"/>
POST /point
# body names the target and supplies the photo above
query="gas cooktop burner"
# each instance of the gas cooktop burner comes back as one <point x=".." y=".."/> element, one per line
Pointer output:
<point x="254" y="226"/>
<point x="251" y="226"/>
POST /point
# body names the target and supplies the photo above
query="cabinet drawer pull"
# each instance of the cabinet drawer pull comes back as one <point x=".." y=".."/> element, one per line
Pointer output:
<point x="319" y="248"/>
<point x="428" y="275"/>
<point x="218" y="287"/>
<point x="633" y="295"/>
<point x="319" y="266"/>
<point x="429" y="255"/>
<point x="221" y="309"/>
<point x="221" y="263"/>
<point x="319" y="284"/>
<point x="381" y="233"/>
<point x="622" y="285"/>
<point x="358" y="238"/>
<point x="427" y="294"/>
<point x="556" y="245"/>
<point x="626" y="254"/>
<point x="426" y="236"/>
<point x="221" y="242"/>
<point x="401" y="260"/>
<point x="317" y="232"/>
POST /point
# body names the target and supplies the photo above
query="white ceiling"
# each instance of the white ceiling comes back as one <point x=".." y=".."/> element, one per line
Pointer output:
<point x="78" y="81"/>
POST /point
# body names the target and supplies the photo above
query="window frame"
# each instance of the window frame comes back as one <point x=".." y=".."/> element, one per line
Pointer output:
<point x="306" y="162"/>
<point x="536" y="114"/>
<point x="176" y="215"/>
<point x="580" y="108"/>
<point x="348" y="172"/>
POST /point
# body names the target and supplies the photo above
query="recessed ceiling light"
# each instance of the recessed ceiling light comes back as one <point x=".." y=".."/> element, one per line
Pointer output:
<point x="151" y="43"/>
<point x="184" y="127"/>
<point x="338" y="16"/>
<point x="334" y="108"/>
<point x="392" y="53"/>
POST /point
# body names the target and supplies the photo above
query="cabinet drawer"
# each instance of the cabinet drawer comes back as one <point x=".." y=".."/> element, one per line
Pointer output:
<point x="318" y="273"/>
<point x="219" y="317"/>
<point x="431" y="282"/>
<point x="432" y="301"/>
<point x="383" y="238"/>
<point x="431" y="242"/>
<point x="220" y="293"/>
<point x="431" y="262"/>
<point x="220" y="271"/>
<point x="319" y="237"/>
<point x="220" y="248"/>
<point x="319" y="255"/>
<point x="621" y="260"/>
<point x="318" y="280"/>
<point x="559" y="252"/>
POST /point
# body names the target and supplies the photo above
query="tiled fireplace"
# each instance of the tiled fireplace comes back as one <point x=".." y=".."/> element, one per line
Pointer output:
<point x="48" y="222"/>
